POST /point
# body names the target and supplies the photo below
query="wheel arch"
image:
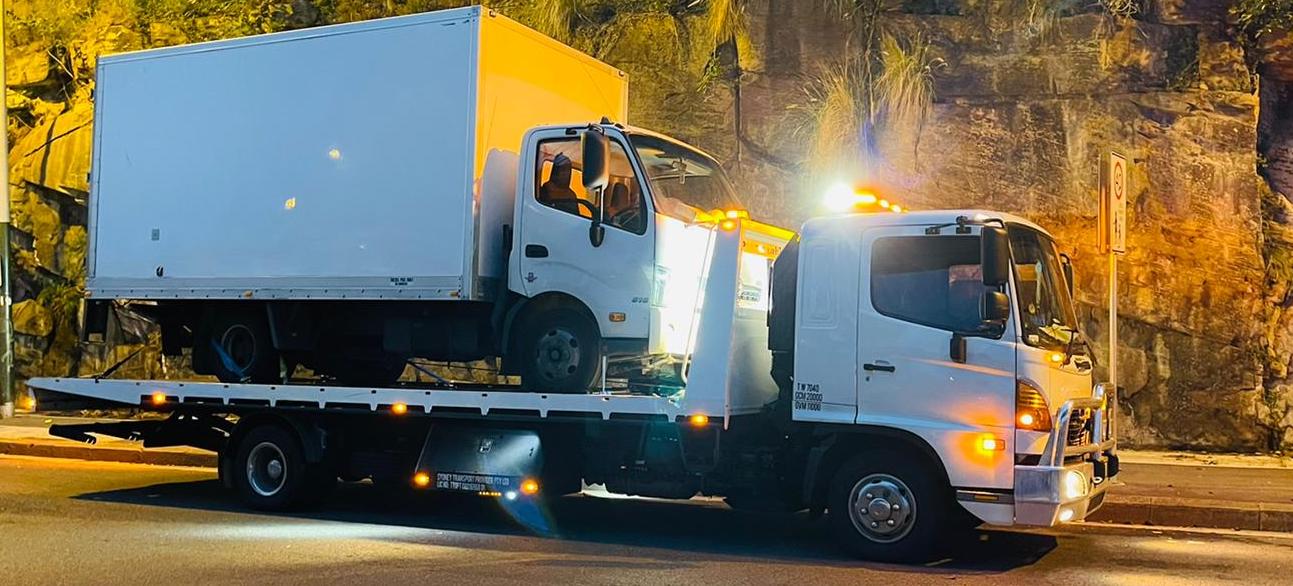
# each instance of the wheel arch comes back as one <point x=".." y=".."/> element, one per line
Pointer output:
<point x="312" y="438"/>
<point x="827" y="459"/>
<point x="543" y="302"/>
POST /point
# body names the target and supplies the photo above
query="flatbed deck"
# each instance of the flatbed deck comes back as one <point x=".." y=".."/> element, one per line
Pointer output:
<point x="481" y="400"/>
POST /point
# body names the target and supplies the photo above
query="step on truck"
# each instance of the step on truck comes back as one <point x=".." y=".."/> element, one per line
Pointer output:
<point x="347" y="198"/>
<point x="912" y="375"/>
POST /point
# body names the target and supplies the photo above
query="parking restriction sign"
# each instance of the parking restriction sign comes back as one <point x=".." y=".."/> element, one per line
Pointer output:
<point x="1113" y="203"/>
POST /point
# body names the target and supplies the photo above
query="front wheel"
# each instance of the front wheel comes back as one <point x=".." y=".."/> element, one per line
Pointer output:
<point x="559" y="351"/>
<point x="886" y="508"/>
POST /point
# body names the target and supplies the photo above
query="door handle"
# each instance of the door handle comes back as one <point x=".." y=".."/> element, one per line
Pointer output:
<point x="536" y="251"/>
<point x="880" y="367"/>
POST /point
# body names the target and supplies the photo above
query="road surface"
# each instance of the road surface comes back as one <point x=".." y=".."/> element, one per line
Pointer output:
<point x="70" y="521"/>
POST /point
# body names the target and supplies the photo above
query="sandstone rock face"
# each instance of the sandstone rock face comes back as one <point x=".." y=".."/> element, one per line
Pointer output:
<point x="1021" y="116"/>
<point x="1020" y="123"/>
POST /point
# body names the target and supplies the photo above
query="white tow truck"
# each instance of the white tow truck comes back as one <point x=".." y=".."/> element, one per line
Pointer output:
<point x="915" y="373"/>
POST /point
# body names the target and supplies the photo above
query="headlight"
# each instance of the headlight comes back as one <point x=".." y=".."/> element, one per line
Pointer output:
<point x="1074" y="485"/>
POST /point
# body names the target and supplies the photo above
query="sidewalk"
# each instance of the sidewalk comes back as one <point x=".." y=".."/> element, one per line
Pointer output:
<point x="28" y="435"/>
<point x="1223" y="491"/>
<point x="1159" y="488"/>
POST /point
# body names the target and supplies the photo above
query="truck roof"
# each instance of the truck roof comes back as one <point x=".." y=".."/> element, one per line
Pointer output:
<point x="923" y="218"/>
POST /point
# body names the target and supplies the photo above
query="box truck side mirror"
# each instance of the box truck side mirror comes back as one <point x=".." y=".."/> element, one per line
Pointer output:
<point x="597" y="159"/>
<point x="597" y="175"/>
<point x="995" y="255"/>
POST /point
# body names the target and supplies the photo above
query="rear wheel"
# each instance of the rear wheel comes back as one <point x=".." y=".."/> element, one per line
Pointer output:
<point x="240" y="347"/>
<point x="559" y="351"/>
<point x="887" y="508"/>
<point x="270" y="471"/>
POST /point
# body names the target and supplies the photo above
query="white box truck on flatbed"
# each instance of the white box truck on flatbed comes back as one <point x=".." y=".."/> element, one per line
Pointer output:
<point x="915" y="373"/>
<point x="348" y="197"/>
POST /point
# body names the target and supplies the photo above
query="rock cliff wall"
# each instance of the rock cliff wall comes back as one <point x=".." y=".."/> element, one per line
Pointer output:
<point x="1021" y="111"/>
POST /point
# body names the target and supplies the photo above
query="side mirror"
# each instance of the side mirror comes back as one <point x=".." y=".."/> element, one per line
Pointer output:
<point x="995" y="256"/>
<point x="597" y="159"/>
<point x="994" y="307"/>
<point x="957" y="351"/>
<point x="1066" y="264"/>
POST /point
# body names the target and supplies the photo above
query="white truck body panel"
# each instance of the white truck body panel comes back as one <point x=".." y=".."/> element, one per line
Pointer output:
<point x="357" y="169"/>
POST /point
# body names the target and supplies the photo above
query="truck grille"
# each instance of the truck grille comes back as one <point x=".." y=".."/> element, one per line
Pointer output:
<point x="1079" y="431"/>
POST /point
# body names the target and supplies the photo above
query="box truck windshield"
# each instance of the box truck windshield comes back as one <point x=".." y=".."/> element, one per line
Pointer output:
<point x="680" y="174"/>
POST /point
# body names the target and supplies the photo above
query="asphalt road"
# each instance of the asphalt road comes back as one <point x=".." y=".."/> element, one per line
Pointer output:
<point x="68" y="521"/>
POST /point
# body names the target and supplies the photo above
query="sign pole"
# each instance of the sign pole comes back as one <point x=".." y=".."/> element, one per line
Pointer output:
<point x="1113" y="237"/>
<point x="6" y="322"/>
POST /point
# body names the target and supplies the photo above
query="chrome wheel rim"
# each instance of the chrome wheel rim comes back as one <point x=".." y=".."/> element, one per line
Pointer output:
<point x="882" y="508"/>
<point x="266" y="469"/>
<point x="557" y="354"/>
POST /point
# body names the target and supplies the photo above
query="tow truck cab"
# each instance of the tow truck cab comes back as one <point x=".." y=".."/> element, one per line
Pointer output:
<point x="955" y="330"/>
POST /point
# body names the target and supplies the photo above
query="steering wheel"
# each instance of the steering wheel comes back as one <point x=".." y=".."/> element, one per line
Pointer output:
<point x="592" y="209"/>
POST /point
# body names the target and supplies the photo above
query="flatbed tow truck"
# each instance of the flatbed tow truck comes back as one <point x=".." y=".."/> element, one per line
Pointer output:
<point x="869" y="390"/>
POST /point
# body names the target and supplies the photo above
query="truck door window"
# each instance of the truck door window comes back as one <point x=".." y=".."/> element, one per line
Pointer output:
<point x="935" y="281"/>
<point x="561" y="186"/>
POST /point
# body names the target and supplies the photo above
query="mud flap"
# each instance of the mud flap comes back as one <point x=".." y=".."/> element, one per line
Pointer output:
<point x="491" y="462"/>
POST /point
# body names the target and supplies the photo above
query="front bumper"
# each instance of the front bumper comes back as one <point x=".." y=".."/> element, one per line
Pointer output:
<point x="1077" y="466"/>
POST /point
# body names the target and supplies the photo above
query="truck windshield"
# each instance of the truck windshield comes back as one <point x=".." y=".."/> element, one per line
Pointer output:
<point x="1045" y="308"/>
<point x="680" y="174"/>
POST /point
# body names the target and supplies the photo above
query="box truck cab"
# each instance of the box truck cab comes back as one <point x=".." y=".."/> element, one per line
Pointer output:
<point x="619" y="255"/>
<point x="241" y="199"/>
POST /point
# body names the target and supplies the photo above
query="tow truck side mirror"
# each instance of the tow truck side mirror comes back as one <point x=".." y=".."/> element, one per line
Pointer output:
<point x="995" y="307"/>
<point x="995" y="255"/>
<point x="1066" y="264"/>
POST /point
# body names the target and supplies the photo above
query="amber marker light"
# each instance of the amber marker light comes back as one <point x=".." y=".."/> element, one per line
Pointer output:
<point x="159" y="398"/>
<point x="530" y="486"/>
<point x="421" y="480"/>
<point x="992" y="444"/>
<point x="1056" y="358"/>
<point x="399" y="408"/>
<point x="728" y="225"/>
<point x="699" y="420"/>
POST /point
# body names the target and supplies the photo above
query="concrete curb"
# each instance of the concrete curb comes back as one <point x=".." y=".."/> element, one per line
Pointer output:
<point x="1177" y="512"/>
<point x="77" y="451"/>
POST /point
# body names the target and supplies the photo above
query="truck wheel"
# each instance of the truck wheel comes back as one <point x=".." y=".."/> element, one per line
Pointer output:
<point x="887" y="508"/>
<point x="560" y="351"/>
<point x="270" y="472"/>
<point x="241" y="348"/>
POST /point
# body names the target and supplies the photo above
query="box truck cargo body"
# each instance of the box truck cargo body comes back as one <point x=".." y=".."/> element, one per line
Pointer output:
<point x="349" y="197"/>
<point x="345" y="162"/>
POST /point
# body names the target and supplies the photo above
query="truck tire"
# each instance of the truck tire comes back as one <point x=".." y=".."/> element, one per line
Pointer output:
<point x="241" y="348"/>
<point x="885" y="507"/>
<point x="270" y="471"/>
<point x="559" y="351"/>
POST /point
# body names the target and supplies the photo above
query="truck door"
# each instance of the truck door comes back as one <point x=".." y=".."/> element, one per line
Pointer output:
<point x="917" y="289"/>
<point x="613" y="279"/>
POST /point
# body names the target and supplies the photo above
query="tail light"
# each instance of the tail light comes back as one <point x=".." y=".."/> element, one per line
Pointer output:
<point x="1031" y="412"/>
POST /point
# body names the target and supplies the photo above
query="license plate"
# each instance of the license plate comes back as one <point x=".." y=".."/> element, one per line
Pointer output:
<point x="468" y="482"/>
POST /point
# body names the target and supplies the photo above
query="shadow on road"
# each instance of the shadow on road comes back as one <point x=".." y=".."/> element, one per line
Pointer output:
<point x="653" y="531"/>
